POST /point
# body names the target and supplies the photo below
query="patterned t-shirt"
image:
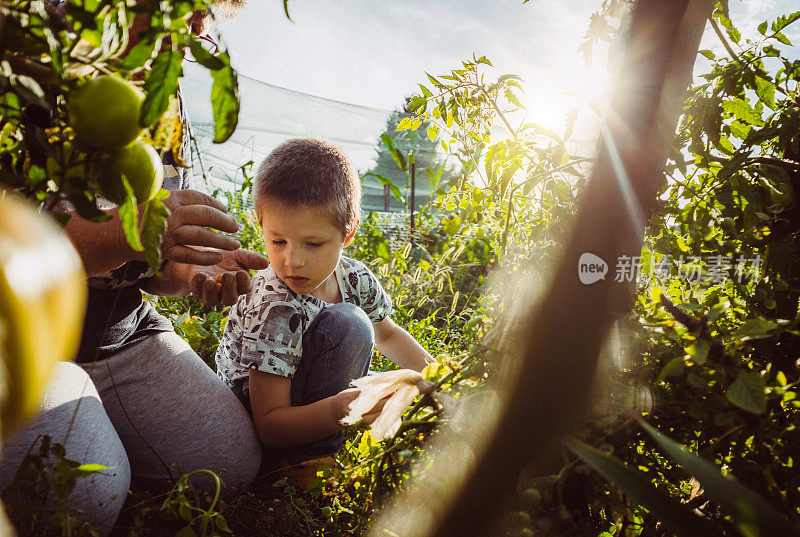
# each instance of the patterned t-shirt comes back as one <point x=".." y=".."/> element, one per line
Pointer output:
<point x="266" y="326"/>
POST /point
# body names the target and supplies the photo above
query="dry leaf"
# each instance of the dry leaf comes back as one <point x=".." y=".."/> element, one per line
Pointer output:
<point x="402" y="383"/>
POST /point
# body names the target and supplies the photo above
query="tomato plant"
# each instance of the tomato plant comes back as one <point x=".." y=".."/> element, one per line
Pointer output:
<point x="71" y="92"/>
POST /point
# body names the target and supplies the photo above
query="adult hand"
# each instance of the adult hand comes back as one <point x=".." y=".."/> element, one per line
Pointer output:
<point x="223" y="282"/>
<point x="191" y="214"/>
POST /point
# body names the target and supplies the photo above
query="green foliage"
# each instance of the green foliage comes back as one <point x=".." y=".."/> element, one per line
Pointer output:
<point x="47" y="54"/>
<point x="224" y="100"/>
<point x="37" y="500"/>
<point x="190" y="512"/>
<point x="154" y="225"/>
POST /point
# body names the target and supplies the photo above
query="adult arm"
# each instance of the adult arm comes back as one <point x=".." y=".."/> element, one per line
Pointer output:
<point x="399" y="346"/>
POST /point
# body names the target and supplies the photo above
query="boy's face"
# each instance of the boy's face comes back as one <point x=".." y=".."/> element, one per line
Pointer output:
<point x="303" y="244"/>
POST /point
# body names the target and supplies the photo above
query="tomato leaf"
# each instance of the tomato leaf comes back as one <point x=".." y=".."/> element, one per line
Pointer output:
<point x="204" y="57"/>
<point x="160" y="84"/>
<point x="224" y="99"/>
<point x="699" y="351"/>
<point x="747" y="392"/>
<point x="742" y="110"/>
<point x="765" y="90"/>
<point x="782" y="38"/>
<point x="785" y="20"/>
<point x="758" y="328"/>
<point x="154" y="224"/>
<point x="186" y="531"/>
<point x="138" y="55"/>
<point x="404" y="124"/>
<point x="129" y="216"/>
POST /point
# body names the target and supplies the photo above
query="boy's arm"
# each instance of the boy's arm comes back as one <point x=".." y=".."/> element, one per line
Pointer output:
<point x="399" y="346"/>
<point x="281" y="425"/>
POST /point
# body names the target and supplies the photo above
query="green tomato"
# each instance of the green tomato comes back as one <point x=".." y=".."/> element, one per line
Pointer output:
<point x="728" y="225"/>
<point x="532" y="498"/>
<point x="104" y="112"/>
<point x="141" y="166"/>
<point x="520" y="519"/>
<point x="784" y="196"/>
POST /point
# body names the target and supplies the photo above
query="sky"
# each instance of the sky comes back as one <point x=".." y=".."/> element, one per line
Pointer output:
<point x="373" y="53"/>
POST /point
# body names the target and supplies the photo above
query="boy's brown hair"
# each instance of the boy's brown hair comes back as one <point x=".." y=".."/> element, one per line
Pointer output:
<point x="312" y="172"/>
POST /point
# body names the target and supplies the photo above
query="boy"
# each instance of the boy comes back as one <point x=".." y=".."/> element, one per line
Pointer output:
<point x="294" y="343"/>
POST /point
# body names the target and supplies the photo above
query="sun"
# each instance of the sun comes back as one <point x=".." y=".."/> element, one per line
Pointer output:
<point x="551" y="97"/>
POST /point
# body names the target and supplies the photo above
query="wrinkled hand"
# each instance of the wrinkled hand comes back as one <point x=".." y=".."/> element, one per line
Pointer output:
<point x="223" y="282"/>
<point x="191" y="214"/>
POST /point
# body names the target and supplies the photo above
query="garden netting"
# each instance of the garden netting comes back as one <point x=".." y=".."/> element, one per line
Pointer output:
<point x="271" y="114"/>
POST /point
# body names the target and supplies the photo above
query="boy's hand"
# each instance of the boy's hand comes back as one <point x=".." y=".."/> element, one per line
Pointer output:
<point x="345" y="397"/>
<point x="224" y="282"/>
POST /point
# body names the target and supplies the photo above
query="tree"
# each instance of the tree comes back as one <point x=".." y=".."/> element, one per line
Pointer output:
<point x="428" y="161"/>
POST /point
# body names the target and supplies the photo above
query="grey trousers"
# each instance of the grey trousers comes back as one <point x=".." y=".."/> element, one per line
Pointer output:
<point x="150" y="408"/>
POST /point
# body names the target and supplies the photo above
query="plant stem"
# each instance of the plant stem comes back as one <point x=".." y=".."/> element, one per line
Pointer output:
<point x="728" y="48"/>
<point x="499" y="112"/>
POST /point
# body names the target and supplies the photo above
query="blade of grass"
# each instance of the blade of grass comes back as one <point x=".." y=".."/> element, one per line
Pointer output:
<point x="673" y="514"/>
<point x="750" y="512"/>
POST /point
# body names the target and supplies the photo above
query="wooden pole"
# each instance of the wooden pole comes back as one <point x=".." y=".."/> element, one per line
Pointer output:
<point x="412" y="201"/>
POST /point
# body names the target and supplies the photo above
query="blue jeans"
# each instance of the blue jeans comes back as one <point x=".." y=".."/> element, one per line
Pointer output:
<point x="337" y="348"/>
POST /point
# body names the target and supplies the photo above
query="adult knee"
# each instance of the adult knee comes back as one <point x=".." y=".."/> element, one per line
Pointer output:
<point x="71" y="414"/>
